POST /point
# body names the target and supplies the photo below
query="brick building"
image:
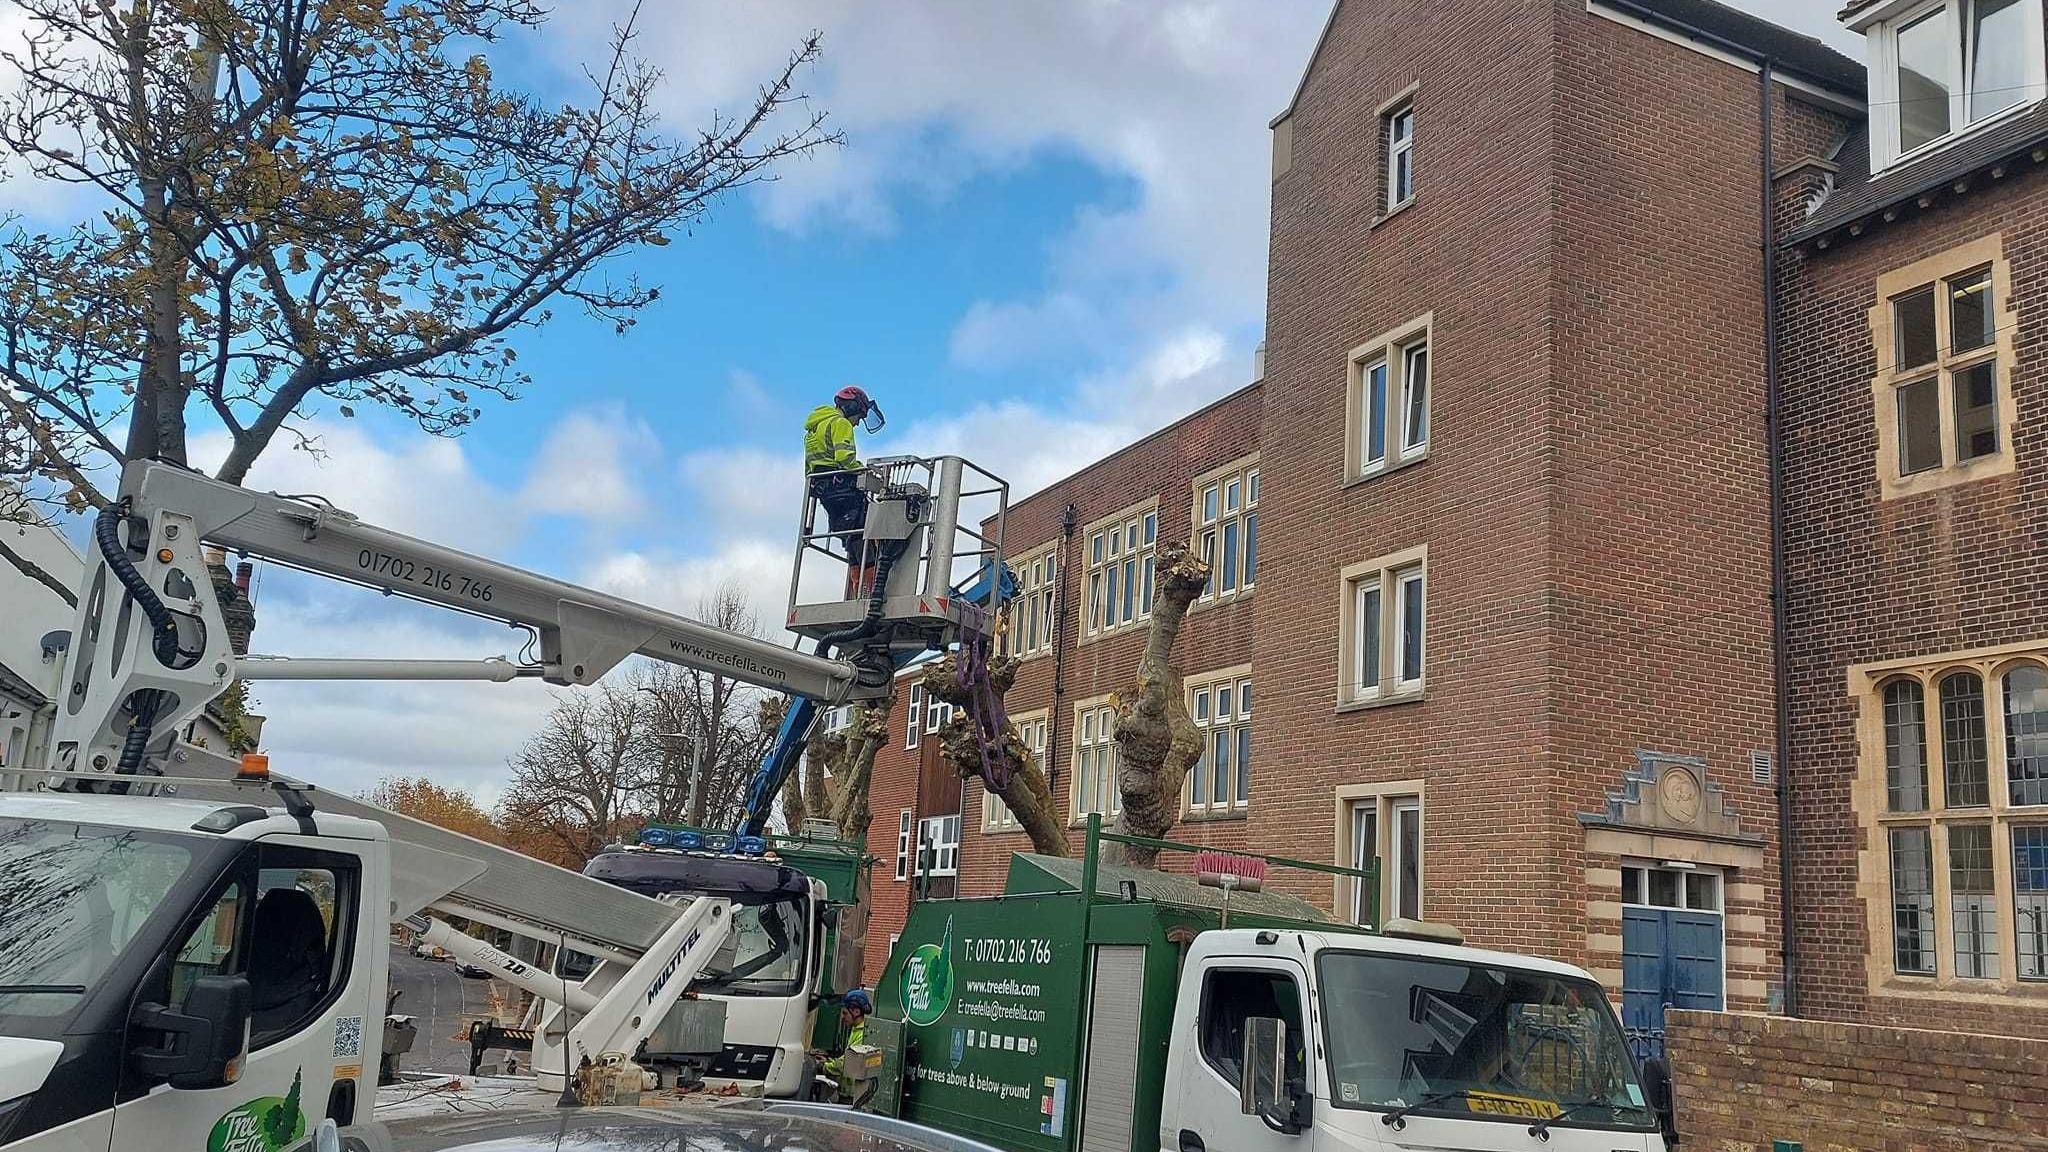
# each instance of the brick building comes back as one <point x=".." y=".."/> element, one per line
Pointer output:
<point x="1505" y="492"/>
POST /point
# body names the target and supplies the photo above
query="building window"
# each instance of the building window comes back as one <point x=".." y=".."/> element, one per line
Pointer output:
<point x="2030" y="898"/>
<point x="1400" y="130"/>
<point x="1382" y="648"/>
<point x="916" y="711"/>
<point x="1943" y="389"/>
<point x="1095" y="755"/>
<point x="996" y="815"/>
<point x="1941" y="67"/>
<point x="938" y="846"/>
<point x="1220" y="704"/>
<point x="1385" y="827"/>
<point x="1034" y="613"/>
<point x="1119" y="580"/>
<point x="1912" y="902"/>
<point x="838" y="719"/>
<point x="936" y="715"/>
<point x="903" y="845"/>
<point x="1973" y="902"/>
<point x="1226" y="517"/>
<point x="1651" y="886"/>
<point x="1946" y="811"/>
<point x="1387" y="407"/>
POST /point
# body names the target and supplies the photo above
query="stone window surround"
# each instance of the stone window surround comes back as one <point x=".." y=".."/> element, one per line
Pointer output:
<point x="1139" y="617"/>
<point x="1015" y="631"/>
<point x="1076" y="815"/>
<point x="1388" y="346"/>
<point x="1874" y="821"/>
<point x="1391" y="690"/>
<point x="996" y="817"/>
<point x="1343" y="889"/>
<point x="1211" y="810"/>
<point x="1935" y="270"/>
<point x="1246" y="466"/>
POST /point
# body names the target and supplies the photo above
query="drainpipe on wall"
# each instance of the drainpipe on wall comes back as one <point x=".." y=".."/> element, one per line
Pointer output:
<point x="1059" y="654"/>
<point x="1780" y="655"/>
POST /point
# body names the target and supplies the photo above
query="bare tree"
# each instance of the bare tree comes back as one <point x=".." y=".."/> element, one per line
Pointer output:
<point x="1013" y="773"/>
<point x="838" y="767"/>
<point x="584" y="778"/>
<point x="1156" y="741"/>
<point x="305" y="207"/>
<point x="722" y="717"/>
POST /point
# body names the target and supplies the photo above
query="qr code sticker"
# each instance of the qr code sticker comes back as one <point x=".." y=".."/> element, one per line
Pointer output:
<point x="348" y="1037"/>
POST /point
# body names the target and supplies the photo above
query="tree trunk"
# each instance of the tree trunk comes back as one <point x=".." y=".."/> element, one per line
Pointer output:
<point x="1156" y="741"/>
<point x="1024" y="788"/>
<point x="852" y="774"/>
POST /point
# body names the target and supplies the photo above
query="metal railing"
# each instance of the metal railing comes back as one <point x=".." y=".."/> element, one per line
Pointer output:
<point x="944" y="498"/>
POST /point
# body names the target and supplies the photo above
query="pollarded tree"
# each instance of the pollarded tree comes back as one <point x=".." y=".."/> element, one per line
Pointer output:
<point x="1156" y="740"/>
<point x="298" y="206"/>
<point x="1013" y="773"/>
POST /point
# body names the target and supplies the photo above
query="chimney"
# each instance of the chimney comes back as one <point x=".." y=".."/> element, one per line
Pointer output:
<point x="1259" y="361"/>
<point x="242" y="574"/>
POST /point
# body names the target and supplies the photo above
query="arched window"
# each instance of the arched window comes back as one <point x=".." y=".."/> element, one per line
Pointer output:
<point x="1964" y="757"/>
<point x="2026" y="734"/>
<point x="1905" y="747"/>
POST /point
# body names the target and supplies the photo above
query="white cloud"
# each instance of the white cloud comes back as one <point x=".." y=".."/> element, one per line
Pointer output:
<point x="586" y="464"/>
<point x="390" y="476"/>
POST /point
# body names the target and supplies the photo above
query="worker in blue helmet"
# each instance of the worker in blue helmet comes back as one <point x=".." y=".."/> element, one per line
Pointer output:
<point x="854" y="1008"/>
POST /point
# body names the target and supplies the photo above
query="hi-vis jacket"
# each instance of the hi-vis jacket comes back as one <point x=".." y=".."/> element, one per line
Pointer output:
<point x="828" y="441"/>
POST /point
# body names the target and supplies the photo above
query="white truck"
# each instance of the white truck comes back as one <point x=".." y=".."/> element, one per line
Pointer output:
<point x="195" y="955"/>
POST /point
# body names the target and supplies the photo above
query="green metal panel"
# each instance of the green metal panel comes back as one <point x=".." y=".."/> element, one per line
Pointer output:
<point x="990" y="993"/>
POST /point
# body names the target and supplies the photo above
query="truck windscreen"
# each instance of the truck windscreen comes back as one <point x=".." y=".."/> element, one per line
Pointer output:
<point x="1450" y="1038"/>
<point x="73" y="898"/>
<point x="767" y="957"/>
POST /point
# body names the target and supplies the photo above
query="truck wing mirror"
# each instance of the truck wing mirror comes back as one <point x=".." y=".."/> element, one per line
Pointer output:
<point x="1658" y="1094"/>
<point x="200" y="1045"/>
<point x="1262" y="1088"/>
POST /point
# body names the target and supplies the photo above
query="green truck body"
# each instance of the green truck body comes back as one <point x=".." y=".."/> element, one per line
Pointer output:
<point x="996" y="996"/>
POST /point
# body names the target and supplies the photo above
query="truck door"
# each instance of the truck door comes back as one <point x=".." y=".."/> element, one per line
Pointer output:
<point x="285" y="916"/>
<point x="1210" y="1051"/>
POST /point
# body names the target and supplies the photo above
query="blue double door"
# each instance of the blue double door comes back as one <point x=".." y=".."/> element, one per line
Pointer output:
<point x="1670" y="957"/>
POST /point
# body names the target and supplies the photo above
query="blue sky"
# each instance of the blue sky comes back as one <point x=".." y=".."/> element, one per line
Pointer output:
<point x="1044" y="237"/>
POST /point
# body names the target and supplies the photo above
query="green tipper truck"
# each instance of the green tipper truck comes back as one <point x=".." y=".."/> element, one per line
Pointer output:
<point x="1101" y="1009"/>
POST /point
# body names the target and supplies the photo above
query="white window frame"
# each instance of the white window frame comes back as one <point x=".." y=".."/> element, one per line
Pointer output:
<point x="1031" y="729"/>
<point x="1882" y="35"/>
<point x="1093" y="780"/>
<point x="1204" y="695"/>
<point x="1385" y="806"/>
<point x="936" y="715"/>
<point x="1034" y="615"/>
<point x="1391" y="356"/>
<point x="1227" y="498"/>
<point x="838" y="719"/>
<point x="915" y="710"/>
<point x="903" y="845"/>
<point x="1400" y="155"/>
<point x="942" y="835"/>
<point x="1393" y="579"/>
<point x="1117" y="550"/>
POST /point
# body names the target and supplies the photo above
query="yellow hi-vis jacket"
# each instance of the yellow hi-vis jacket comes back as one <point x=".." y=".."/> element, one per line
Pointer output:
<point x="828" y="441"/>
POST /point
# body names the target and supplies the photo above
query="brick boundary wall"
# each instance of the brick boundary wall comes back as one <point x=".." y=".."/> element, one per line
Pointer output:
<point x="1745" y="1080"/>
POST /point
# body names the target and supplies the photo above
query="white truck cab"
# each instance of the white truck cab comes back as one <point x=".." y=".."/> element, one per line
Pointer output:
<point x="1292" y="1041"/>
<point x="183" y="974"/>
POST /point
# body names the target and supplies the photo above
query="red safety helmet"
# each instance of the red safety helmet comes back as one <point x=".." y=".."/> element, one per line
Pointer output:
<point x="851" y="393"/>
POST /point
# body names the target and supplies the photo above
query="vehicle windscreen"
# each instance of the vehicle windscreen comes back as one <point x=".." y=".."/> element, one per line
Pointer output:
<point x="766" y="953"/>
<point x="1448" y="1038"/>
<point x="72" y="899"/>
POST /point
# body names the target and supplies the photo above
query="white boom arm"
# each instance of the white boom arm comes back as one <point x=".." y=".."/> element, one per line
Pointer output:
<point x="468" y="949"/>
<point x="120" y="650"/>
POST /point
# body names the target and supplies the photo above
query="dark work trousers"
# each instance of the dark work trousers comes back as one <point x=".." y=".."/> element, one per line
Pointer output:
<point x="846" y="507"/>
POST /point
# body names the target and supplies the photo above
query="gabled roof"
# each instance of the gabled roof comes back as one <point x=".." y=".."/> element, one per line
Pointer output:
<point x="1789" y="51"/>
<point x="1858" y="195"/>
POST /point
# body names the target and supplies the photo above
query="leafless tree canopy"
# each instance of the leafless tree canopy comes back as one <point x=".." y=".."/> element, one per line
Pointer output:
<point x="303" y="206"/>
<point x="611" y="758"/>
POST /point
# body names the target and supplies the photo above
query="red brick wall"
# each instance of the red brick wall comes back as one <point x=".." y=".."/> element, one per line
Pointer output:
<point x="1745" y="1081"/>
<point x="1872" y="580"/>
<point x="891" y="790"/>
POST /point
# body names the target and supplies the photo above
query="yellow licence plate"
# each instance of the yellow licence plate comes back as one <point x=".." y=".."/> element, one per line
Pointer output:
<point x="1501" y="1104"/>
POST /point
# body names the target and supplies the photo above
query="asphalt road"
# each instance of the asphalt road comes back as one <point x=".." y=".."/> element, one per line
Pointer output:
<point x="442" y="1004"/>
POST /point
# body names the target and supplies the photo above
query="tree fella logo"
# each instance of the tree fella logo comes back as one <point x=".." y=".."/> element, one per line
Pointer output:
<point x="928" y="980"/>
<point x="265" y="1124"/>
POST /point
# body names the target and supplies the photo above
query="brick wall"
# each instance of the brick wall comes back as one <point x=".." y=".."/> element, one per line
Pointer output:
<point x="1744" y="1081"/>
<point x="1871" y="579"/>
